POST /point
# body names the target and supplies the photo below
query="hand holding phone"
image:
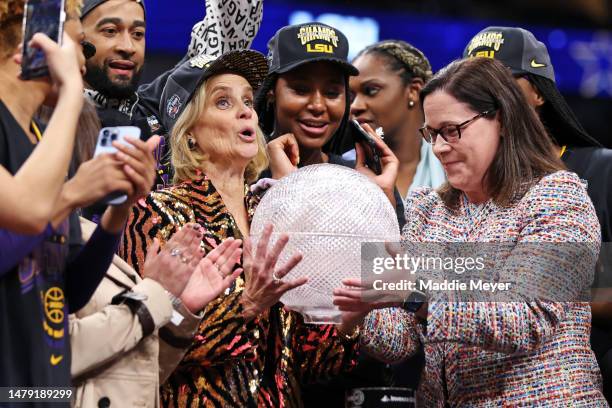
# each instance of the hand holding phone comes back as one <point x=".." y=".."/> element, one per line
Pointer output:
<point x="40" y="16"/>
<point x="379" y="154"/>
<point x="107" y="136"/>
<point x="372" y="152"/>
<point x="62" y="62"/>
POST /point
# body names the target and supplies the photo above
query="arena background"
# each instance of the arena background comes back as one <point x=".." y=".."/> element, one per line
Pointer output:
<point x="578" y="34"/>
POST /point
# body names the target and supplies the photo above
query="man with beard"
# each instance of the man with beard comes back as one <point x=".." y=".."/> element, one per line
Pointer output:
<point x="117" y="29"/>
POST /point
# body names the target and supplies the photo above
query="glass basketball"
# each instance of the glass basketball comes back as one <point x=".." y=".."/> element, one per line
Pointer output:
<point x="328" y="211"/>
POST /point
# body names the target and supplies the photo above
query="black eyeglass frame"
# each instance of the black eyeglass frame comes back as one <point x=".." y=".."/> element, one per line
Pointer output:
<point x="430" y="134"/>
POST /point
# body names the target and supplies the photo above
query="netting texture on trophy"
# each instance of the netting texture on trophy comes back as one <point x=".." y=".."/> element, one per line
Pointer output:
<point x="328" y="211"/>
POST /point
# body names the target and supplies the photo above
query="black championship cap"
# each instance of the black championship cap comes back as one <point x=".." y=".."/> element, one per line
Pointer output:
<point x="89" y="5"/>
<point x="298" y="44"/>
<point x="185" y="80"/>
<point x="515" y="47"/>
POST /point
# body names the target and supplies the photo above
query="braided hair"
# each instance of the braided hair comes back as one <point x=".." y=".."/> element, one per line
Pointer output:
<point x="559" y="120"/>
<point x="405" y="59"/>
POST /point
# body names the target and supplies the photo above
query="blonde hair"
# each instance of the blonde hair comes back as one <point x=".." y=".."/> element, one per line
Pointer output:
<point x="187" y="162"/>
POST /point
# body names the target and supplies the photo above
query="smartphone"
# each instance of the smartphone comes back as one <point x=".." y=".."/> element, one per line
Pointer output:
<point x="372" y="153"/>
<point x="107" y="136"/>
<point x="40" y="16"/>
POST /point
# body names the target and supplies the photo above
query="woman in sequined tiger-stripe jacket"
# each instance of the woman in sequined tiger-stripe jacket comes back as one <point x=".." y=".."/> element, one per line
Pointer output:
<point x="234" y="360"/>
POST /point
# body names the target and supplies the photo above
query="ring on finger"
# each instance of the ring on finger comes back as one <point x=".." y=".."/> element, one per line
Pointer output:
<point x="276" y="278"/>
<point x="184" y="259"/>
<point x="175" y="251"/>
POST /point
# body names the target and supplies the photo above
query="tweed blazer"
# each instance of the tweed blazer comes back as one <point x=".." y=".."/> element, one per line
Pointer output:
<point x="502" y="354"/>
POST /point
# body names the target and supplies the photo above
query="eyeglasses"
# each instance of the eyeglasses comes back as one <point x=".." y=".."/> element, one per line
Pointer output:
<point x="450" y="133"/>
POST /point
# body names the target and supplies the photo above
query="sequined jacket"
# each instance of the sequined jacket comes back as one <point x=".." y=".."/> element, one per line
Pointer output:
<point x="233" y="362"/>
<point x="511" y="353"/>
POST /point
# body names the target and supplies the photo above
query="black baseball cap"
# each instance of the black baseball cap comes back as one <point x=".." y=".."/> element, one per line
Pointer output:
<point x="185" y="80"/>
<point x="89" y="5"/>
<point x="520" y="51"/>
<point x="515" y="47"/>
<point x="298" y="44"/>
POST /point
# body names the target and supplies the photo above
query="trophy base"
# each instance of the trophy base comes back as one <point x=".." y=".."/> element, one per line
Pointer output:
<point x="313" y="315"/>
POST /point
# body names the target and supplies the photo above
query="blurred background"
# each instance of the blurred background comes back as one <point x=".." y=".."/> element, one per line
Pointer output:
<point x="578" y="34"/>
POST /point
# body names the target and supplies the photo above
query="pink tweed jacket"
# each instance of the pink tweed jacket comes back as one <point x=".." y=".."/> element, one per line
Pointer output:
<point x="502" y="354"/>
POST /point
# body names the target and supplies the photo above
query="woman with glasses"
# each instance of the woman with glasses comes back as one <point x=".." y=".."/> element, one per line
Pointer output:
<point x="529" y="344"/>
<point x="450" y="133"/>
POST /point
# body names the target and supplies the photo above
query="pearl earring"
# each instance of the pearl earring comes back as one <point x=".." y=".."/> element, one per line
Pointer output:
<point x="411" y="104"/>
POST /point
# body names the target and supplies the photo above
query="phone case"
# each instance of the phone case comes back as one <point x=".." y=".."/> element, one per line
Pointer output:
<point x="106" y="137"/>
<point x="372" y="159"/>
<point x="40" y="16"/>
